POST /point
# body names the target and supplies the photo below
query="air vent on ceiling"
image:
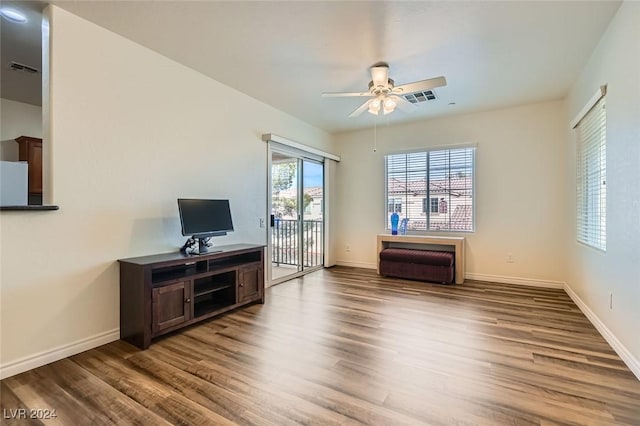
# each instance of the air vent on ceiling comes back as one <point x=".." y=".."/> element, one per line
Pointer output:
<point x="24" y="68"/>
<point x="414" y="98"/>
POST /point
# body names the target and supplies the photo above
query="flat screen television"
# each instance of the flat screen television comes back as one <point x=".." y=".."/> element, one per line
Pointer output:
<point x="202" y="219"/>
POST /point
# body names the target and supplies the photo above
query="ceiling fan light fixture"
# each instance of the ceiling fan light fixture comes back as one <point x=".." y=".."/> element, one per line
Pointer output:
<point x="389" y="106"/>
<point x="374" y="106"/>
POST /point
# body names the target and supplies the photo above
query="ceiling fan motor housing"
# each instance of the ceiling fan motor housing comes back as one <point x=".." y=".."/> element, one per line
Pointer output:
<point x="382" y="89"/>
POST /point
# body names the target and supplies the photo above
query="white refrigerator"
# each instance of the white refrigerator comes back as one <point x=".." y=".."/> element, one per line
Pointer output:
<point x="13" y="183"/>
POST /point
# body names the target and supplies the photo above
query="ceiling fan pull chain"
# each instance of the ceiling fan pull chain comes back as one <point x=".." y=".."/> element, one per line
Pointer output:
<point x="375" y="135"/>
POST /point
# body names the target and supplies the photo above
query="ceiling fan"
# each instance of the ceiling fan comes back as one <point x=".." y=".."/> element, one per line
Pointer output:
<point x="385" y="96"/>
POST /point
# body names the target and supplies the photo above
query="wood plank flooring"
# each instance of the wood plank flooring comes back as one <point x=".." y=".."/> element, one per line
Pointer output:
<point x="344" y="346"/>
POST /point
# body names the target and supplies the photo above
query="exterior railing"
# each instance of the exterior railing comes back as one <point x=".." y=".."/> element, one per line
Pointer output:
<point x="284" y="243"/>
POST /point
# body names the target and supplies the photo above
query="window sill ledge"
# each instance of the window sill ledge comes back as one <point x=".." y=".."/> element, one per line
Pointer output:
<point x="29" y="208"/>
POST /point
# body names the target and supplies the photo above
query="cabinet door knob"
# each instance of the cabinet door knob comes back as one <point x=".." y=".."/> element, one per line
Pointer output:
<point x="241" y="284"/>
<point x="187" y="301"/>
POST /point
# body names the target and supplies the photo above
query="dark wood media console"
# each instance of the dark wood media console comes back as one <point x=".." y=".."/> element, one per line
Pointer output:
<point x="165" y="292"/>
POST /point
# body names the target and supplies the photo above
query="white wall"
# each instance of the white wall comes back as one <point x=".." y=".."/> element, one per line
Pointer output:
<point x="17" y="119"/>
<point x="519" y="188"/>
<point x="131" y="131"/>
<point x="593" y="274"/>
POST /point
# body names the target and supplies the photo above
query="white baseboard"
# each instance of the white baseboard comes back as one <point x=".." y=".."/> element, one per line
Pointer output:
<point x="37" y="360"/>
<point x="632" y="362"/>
<point x="366" y="265"/>
<point x="513" y="280"/>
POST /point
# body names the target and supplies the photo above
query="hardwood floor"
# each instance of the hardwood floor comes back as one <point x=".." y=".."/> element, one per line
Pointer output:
<point x="345" y="346"/>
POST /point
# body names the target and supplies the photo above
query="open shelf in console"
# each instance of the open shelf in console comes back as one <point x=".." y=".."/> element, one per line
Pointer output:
<point x="213" y="283"/>
<point x="213" y="292"/>
<point x="235" y="260"/>
<point x="177" y="272"/>
<point x="203" y="308"/>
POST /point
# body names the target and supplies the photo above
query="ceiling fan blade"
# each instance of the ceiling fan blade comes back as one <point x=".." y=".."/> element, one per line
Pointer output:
<point x="344" y="94"/>
<point x="419" y="86"/>
<point x="380" y="75"/>
<point x="362" y="108"/>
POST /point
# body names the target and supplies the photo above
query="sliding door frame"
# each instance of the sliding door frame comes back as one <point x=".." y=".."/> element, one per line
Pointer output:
<point x="301" y="156"/>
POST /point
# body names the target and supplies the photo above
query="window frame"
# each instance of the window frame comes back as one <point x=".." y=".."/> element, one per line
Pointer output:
<point x="393" y="206"/>
<point x="431" y="205"/>
<point x="473" y="148"/>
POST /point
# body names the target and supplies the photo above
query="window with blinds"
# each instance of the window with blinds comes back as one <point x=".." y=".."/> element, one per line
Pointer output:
<point x="434" y="190"/>
<point x="591" y="167"/>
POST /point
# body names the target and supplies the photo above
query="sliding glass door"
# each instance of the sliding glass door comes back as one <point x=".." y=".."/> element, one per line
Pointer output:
<point x="285" y="216"/>
<point x="297" y="215"/>
<point x="312" y="214"/>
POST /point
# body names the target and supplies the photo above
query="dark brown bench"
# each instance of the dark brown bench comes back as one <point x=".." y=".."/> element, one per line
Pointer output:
<point x="421" y="265"/>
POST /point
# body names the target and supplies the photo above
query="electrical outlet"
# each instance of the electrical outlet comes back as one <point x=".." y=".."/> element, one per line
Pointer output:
<point x="610" y="300"/>
<point x="262" y="222"/>
<point x="510" y="258"/>
<point x="347" y="248"/>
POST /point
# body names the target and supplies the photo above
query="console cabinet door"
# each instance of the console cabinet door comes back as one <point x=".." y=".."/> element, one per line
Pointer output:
<point x="249" y="282"/>
<point x="171" y="305"/>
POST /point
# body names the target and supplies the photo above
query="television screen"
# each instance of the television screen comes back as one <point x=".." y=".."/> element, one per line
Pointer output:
<point x="205" y="218"/>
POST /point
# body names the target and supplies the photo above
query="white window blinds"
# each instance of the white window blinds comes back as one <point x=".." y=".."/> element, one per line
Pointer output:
<point x="591" y="167"/>
<point x="434" y="190"/>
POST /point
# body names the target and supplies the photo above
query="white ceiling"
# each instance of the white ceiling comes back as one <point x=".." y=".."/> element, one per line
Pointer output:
<point x="493" y="54"/>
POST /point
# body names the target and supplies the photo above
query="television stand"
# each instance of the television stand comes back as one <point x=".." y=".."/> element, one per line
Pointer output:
<point x="166" y="292"/>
